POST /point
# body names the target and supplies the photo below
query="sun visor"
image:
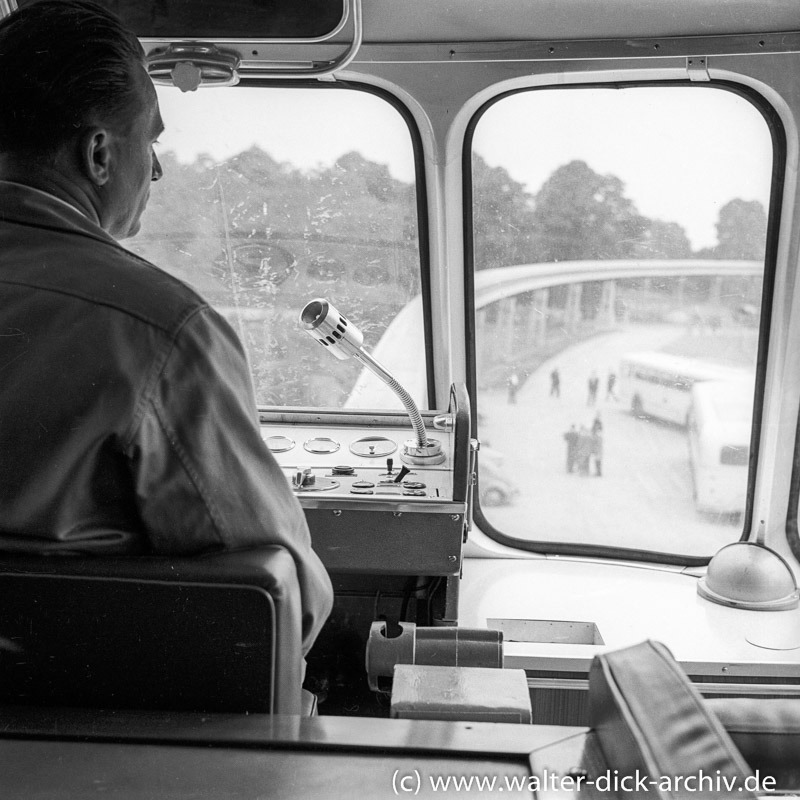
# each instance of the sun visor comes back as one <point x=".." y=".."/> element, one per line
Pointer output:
<point x="297" y="20"/>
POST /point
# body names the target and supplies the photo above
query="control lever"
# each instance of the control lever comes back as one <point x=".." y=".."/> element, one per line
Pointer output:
<point x="400" y="475"/>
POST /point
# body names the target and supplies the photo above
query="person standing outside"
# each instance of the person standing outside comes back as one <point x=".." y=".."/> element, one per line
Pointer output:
<point x="555" y="383"/>
<point x="583" y="450"/>
<point x="611" y="384"/>
<point x="593" y="385"/>
<point x="571" y="437"/>
<point x="513" y="387"/>
<point x="597" y="445"/>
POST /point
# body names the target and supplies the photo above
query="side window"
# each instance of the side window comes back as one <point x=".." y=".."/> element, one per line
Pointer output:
<point x="272" y="197"/>
<point x="619" y="245"/>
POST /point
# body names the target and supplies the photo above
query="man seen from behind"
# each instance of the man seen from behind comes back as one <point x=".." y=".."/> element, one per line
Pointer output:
<point x="127" y="417"/>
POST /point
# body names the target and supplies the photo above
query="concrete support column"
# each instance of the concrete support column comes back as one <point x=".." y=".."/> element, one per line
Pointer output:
<point x="572" y="311"/>
<point x="643" y="295"/>
<point x="680" y="290"/>
<point x="506" y="326"/>
<point x="538" y="318"/>
<point x="715" y="291"/>
<point x="606" y="314"/>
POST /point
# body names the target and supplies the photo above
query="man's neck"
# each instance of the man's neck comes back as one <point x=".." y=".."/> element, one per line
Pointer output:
<point x="51" y="181"/>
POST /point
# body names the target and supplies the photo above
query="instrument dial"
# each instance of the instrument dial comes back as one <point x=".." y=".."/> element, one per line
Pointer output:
<point x="373" y="447"/>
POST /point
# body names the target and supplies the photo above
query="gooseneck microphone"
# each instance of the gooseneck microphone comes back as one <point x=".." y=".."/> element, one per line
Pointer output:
<point x="342" y="338"/>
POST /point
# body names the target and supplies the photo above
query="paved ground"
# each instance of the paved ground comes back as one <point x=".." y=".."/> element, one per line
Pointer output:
<point x="644" y="498"/>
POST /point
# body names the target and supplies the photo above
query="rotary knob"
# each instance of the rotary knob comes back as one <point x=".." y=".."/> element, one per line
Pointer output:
<point x="343" y="469"/>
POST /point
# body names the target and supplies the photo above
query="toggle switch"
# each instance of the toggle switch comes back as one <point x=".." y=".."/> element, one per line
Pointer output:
<point x="400" y="475"/>
<point x="303" y="478"/>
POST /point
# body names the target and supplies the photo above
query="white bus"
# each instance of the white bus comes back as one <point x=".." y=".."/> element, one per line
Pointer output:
<point x="720" y="422"/>
<point x="660" y="384"/>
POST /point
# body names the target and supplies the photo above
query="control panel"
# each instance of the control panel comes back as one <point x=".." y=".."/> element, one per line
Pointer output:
<point x="373" y="502"/>
<point x="323" y="463"/>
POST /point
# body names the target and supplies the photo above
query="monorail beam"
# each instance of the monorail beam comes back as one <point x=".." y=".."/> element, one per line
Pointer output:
<point x="496" y="283"/>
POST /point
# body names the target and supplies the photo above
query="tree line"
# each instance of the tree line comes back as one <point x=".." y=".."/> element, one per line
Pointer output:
<point x="576" y="214"/>
<point x="579" y="214"/>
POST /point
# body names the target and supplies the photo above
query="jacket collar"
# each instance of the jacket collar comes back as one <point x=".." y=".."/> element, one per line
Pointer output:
<point x="28" y="206"/>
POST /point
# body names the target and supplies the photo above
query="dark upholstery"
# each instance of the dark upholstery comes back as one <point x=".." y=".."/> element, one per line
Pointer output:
<point x="212" y="633"/>
<point x="767" y="734"/>
<point x="649" y="719"/>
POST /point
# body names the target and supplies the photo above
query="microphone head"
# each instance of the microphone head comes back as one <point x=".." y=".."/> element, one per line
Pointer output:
<point x="332" y="330"/>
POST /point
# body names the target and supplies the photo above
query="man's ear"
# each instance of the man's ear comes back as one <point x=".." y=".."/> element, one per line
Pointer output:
<point x="95" y="155"/>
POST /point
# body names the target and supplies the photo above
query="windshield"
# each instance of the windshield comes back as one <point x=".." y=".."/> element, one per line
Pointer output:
<point x="619" y="242"/>
<point x="272" y="197"/>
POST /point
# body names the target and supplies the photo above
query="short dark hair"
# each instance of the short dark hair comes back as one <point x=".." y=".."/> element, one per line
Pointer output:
<point x="63" y="65"/>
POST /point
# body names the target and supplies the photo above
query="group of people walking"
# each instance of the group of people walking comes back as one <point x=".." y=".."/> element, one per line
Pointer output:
<point x="594" y="385"/>
<point x="584" y="444"/>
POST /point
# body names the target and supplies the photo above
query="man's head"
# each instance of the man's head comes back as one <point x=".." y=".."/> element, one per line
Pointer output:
<point x="79" y="109"/>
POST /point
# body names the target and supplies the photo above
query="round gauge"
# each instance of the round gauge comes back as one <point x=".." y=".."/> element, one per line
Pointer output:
<point x="279" y="444"/>
<point x="322" y="444"/>
<point x="373" y="446"/>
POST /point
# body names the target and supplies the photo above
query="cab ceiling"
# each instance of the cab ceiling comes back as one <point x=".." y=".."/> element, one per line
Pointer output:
<point x="532" y="20"/>
<point x="447" y="21"/>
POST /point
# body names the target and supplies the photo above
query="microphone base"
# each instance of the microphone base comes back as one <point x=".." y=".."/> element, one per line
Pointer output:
<point x="419" y="455"/>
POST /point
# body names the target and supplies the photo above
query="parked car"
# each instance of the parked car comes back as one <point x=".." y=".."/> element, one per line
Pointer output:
<point x="495" y="487"/>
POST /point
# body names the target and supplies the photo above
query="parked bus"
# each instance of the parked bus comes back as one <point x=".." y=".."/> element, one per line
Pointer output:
<point x="660" y="384"/>
<point x="720" y="421"/>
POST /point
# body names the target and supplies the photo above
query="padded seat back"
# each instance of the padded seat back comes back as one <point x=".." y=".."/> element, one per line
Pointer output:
<point x="650" y="721"/>
<point x="766" y="732"/>
<point x="210" y="633"/>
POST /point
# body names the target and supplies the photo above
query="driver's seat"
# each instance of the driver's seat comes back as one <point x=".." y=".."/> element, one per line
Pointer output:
<point x="219" y="632"/>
